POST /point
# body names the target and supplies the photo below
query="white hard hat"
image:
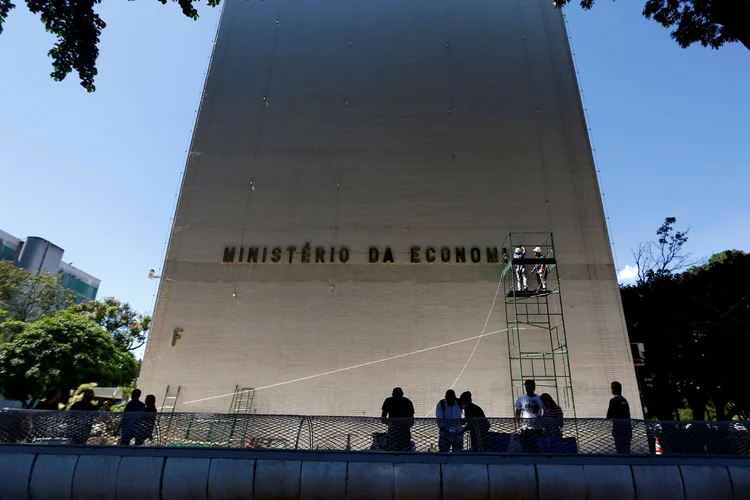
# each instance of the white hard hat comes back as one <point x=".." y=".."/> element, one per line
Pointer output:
<point x="538" y="250"/>
<point x="518" y="249"/>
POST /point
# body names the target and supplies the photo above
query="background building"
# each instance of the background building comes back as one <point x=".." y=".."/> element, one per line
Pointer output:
<point x="340" y="148"/>
<point x="39" y="256"/>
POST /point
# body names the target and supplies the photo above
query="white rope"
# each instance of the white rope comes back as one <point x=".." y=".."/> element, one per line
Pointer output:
<point x="479" y="339"/>
<point x="369" y="363"/>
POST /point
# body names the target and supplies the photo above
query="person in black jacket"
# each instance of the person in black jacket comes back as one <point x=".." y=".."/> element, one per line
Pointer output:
<point x="81" y="430"/>
<point x="619" y="411"/>
<point x="477" y="424"/>
<point x="398" y="413"/>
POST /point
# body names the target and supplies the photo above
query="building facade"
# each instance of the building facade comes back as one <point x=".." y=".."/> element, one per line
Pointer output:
<point x="39" y="255"/>
<point x="354" y="171"/>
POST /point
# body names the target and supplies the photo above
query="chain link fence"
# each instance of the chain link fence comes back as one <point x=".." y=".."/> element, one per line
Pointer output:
<point x="418" y="435"/>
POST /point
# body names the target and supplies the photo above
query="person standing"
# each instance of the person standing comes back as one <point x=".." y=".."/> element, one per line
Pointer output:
<point x="130" y="420"/>
<point x="522" y="282"/>
<point x="45" y="425"/>
<point x="552" y="416"/>
<point x="82" y="425"/>
<point x="448" y="413"/>
<point x="145" y="428"/>
<point x="400" y="414"/>
<point x="528" y="411"/>
<point x="541" y="271"/>
<point x="619" y="413"/>
<point x="50" y="401"/>
<point x="477" y="424"/>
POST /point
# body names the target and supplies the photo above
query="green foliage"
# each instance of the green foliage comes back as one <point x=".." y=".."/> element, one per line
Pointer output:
<point x="77" y="394"/>
<point x="716" y="258"/>
<point x="712" y="23"/>
<point x="694" y="329"/>
<point x="663" y="256"/>
<point x="62" y="350"/>
<point x="127" y="327"/>
<point x="77" y="28"/>
<point x="26" y="297"/>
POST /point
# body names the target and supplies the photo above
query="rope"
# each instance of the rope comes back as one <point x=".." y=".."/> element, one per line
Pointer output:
<point x="479" y="338"/>
<point x="361" y="365"/>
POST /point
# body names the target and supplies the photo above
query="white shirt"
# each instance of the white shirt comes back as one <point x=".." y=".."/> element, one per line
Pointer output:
<point x="451" y="412"/>
<point x="531" y="408"/>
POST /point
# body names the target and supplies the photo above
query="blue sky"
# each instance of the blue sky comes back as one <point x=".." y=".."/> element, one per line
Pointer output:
<point x="98" y="174"/>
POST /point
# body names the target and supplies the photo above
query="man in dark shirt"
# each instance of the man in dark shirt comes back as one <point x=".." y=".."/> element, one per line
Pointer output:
<point x="130" y="423"/>
<point x="477" y="424"/>
<point x="400" y="412"/>
<point x="85" y="404"/>
<point x="619" y="411"/>
<point x="82" y="425"/>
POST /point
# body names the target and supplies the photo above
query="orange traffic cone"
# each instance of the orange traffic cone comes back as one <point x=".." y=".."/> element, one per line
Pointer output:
<point x="658" y="447"/>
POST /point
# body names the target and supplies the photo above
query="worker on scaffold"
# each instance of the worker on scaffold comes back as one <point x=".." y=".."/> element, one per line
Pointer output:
<point x="541" y="271"/>
<point x="522" y="282"/>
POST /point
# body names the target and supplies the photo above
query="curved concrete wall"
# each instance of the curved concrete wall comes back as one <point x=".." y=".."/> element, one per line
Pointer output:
<point x="52" y="473"/>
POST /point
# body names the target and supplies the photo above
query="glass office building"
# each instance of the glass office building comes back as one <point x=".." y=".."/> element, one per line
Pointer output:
<point x="39" y="255"/>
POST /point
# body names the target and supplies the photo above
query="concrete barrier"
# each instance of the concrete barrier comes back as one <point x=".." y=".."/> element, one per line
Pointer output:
<point x="140" y="477"/>
<point x="371" y="481"/>
<point x="231" y="479"/>
<point x="417" y="481"/>
<point x="740" y="477"/>
<point x="96" y="477"/>
<point x="16" y="469"/>
<point x="52" y="477"/>
<point x="185" y="479"/>
<point x="70" y="472"/>
<point x="561" y="482"/>
<point x="466" y="481"/>
<point x="512" y="482"/>
<point x="609" y="482"/>
<point x="659" y="482"/>
<point x="323" y="481"/>
<point x="277" y="479"/>
<point x="706" y="482"/>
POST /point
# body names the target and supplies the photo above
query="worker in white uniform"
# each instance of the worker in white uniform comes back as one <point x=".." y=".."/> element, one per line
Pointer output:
<point x="522" y="282"/>
<point x="541" y="271"/>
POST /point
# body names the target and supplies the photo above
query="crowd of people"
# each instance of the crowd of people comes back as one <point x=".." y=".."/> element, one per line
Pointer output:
<point x="136" y="425"/>
<point x="536" y="416"/>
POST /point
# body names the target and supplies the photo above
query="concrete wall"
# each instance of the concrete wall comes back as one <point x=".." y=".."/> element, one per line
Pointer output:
<point x="49" y="473"/>
<point x="380" y="123"/>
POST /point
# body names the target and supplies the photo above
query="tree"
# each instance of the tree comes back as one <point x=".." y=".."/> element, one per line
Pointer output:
<point x="62" y="350"/>
<point x="708" y="22"/>
<point x="77" y="28"/>
<point x="694" y="329"/>
<point x="127" y="327"/>
<point x="26" y="296"/>
<point x="666" y="255"/>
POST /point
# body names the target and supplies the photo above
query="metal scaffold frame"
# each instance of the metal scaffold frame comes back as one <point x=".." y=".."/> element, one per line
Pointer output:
<point x="534" y="317"/>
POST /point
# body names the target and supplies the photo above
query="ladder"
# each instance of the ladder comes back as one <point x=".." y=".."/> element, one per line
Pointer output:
<point x="242" y="403"/>
<point x="170" y="399"/>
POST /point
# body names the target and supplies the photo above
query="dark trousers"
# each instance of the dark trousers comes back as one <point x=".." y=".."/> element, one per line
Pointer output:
<point x="528" y="438"/>
<point x="623" y="439"/>
<point x="398" y="437"/>
<point x="479" y="440"/>
<point x="450" y="441"/>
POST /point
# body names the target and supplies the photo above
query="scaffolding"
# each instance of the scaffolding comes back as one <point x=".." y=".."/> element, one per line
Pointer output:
<point x="537" y="343"/>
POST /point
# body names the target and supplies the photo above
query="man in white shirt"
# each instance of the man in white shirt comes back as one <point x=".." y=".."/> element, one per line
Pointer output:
<point x="448" y="412"/>
<point x="528" y="410"/>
